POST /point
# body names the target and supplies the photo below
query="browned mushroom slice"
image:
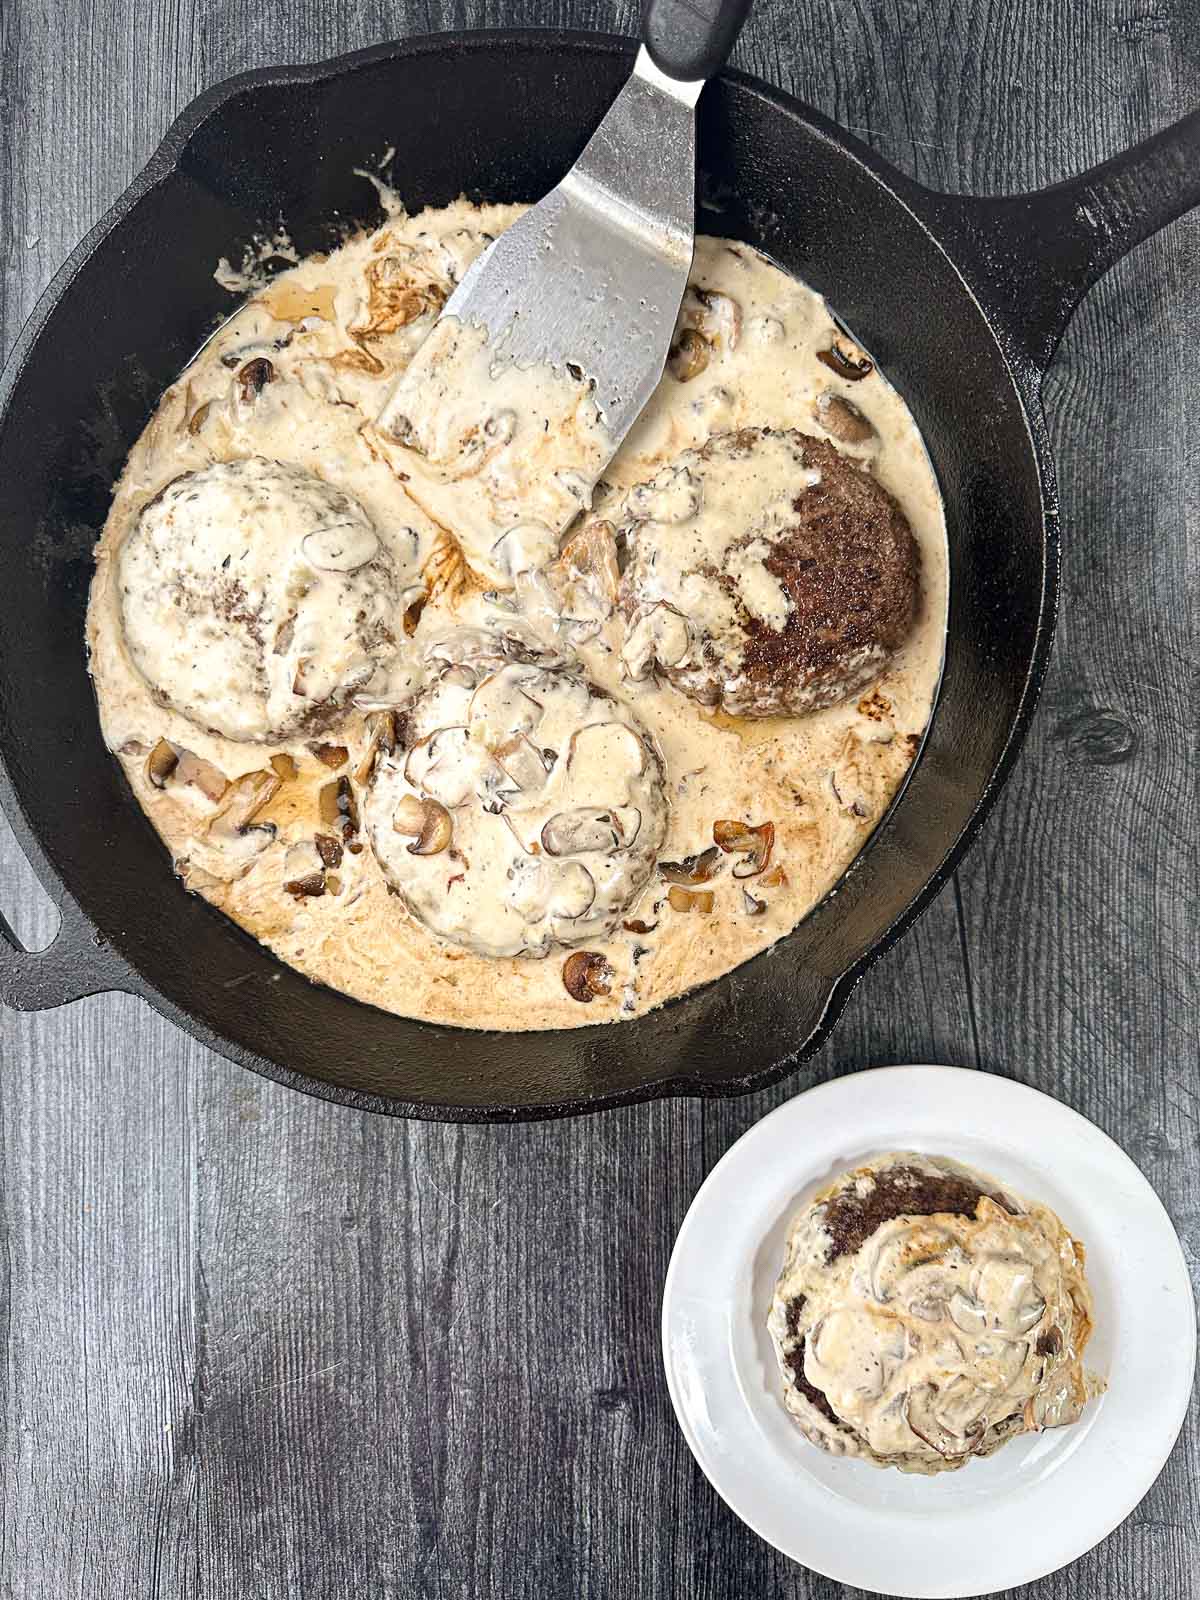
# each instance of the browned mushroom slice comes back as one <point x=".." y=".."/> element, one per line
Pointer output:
<point x="639" y="925"/>
<point x="303" y="872"/>
<point x="591" y="554"/>
<point x="842" y="418"/>
<point x="745" y="839"/>
<point x="1049" y="1343"/>
<point x="715" y="315"/>
<point x="329" y="849"/>
<point x="338" y="807"/>
<point x="254" y="377"/>
<point x="688" y="355"/>
<point x="331" y="755"/>
<point x="381" y="739"/>
<point x="161" y="763"/>
<point x="574" y="833"/>
<point x="586" y="974"/>
<point x="284" y="767"/>
<point x="751" y="906"/>
<point x="233" y="827"/>
<point x="687" y="900"/>
<point x="692" y="869"/>
<point x="198" y="418"/>
<point x="211" y="781"/>
<point x="846" y="359"/>
<point x="427" y="820"/>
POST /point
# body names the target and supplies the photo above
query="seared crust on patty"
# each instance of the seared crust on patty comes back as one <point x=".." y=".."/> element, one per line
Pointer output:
<point x="850" y="1218"/>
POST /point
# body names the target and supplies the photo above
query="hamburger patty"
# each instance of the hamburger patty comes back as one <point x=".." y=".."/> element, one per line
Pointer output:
<point x="256" y="598"/>
<point x="925" y="1316"/>
<point x="768" y="574"/>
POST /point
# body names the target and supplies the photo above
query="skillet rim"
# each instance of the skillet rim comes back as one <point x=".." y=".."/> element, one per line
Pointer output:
<point x="80" y="940"/>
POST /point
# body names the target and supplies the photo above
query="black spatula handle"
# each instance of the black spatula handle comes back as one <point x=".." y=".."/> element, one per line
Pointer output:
<point x="691" y="39"/>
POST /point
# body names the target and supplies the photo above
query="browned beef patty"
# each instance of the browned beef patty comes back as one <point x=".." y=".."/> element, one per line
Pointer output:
<point x="845" y="560"/>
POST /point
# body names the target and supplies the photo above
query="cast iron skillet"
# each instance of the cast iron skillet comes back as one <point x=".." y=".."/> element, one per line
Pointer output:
<point x="962" y="300"/>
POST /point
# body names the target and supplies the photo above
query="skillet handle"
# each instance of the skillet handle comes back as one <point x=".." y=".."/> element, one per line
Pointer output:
<point x="1037" y="255"/>
<point x="691" y="39"/>
<point x="74" y="964"/>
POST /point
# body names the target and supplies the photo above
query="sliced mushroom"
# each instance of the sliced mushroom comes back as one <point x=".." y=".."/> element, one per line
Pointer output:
<point x="687" y="900"/>
<point x="591" y="555"/>
<point x="436" y="832"/>
<point x="161" y="763"/>
<point x="967" y="1314"/>
<point x="254" y="378"/>
<point x="338" y="807"/>
<point x="426" y="822"/>
<point x="611" y="751"/>
<point x="198" y="418"/>
<point x="692" y="869"/>
<point x="502" y="705"/>
<point x="628" y="821"/>
<point x="409" y="815"/>
<point x="918" y="1413"/>
<point x="573" y="891"/>
<point x="640" y="926"/>
<point x="233" y="826"/>
<point x="303" y="871"/>
<point x="574" y="833"/>
<point x="688" y="356"/>
<point x="746" y="839"/>
<point x="381" y="739"/>
<point x="342" y="546"/>
<point x="329" y="849"/>
<point x="284" y="767"/>
<point x="412" y="603"/>
<point x="586" y="974"/>
<point x="1049" y="1343"/>
<point x="522" y="763"/>
<point x="210" y="780"/>
<point x="1028" y="1315"/>
<point x="717" y="316"/>
<point x="331" y="755"/>
<point x="751" y="906"/>
<point x="846" y="359"/>
<point x="444" y="765"/>
<point x="659" y="634"/>
<point x="842" y="418"/>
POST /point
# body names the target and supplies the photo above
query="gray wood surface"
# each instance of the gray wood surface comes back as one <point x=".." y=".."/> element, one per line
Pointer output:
<point x="257" y="1347"/>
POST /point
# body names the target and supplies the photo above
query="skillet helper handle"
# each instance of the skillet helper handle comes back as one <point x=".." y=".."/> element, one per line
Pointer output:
<point x="1037" y="255"/>
<point x="74" y="964"/>
<point x="692" y="39"/>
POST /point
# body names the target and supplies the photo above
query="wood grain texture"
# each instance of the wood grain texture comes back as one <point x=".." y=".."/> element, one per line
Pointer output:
<point x="256" y="1346"/>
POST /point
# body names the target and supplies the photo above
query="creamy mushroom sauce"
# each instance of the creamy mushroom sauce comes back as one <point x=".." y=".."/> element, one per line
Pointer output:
<point x="940" y="1337"/>
<point x="272" y="831"/>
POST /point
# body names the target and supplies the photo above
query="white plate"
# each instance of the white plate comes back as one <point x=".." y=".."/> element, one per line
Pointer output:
<point x="1038" y="1502"/>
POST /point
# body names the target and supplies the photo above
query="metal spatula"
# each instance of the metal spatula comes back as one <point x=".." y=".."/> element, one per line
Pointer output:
<point x="592" y="277"/>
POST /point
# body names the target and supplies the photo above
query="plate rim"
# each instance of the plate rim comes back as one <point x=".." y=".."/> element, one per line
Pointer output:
<point x="1140" y="1482"/>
